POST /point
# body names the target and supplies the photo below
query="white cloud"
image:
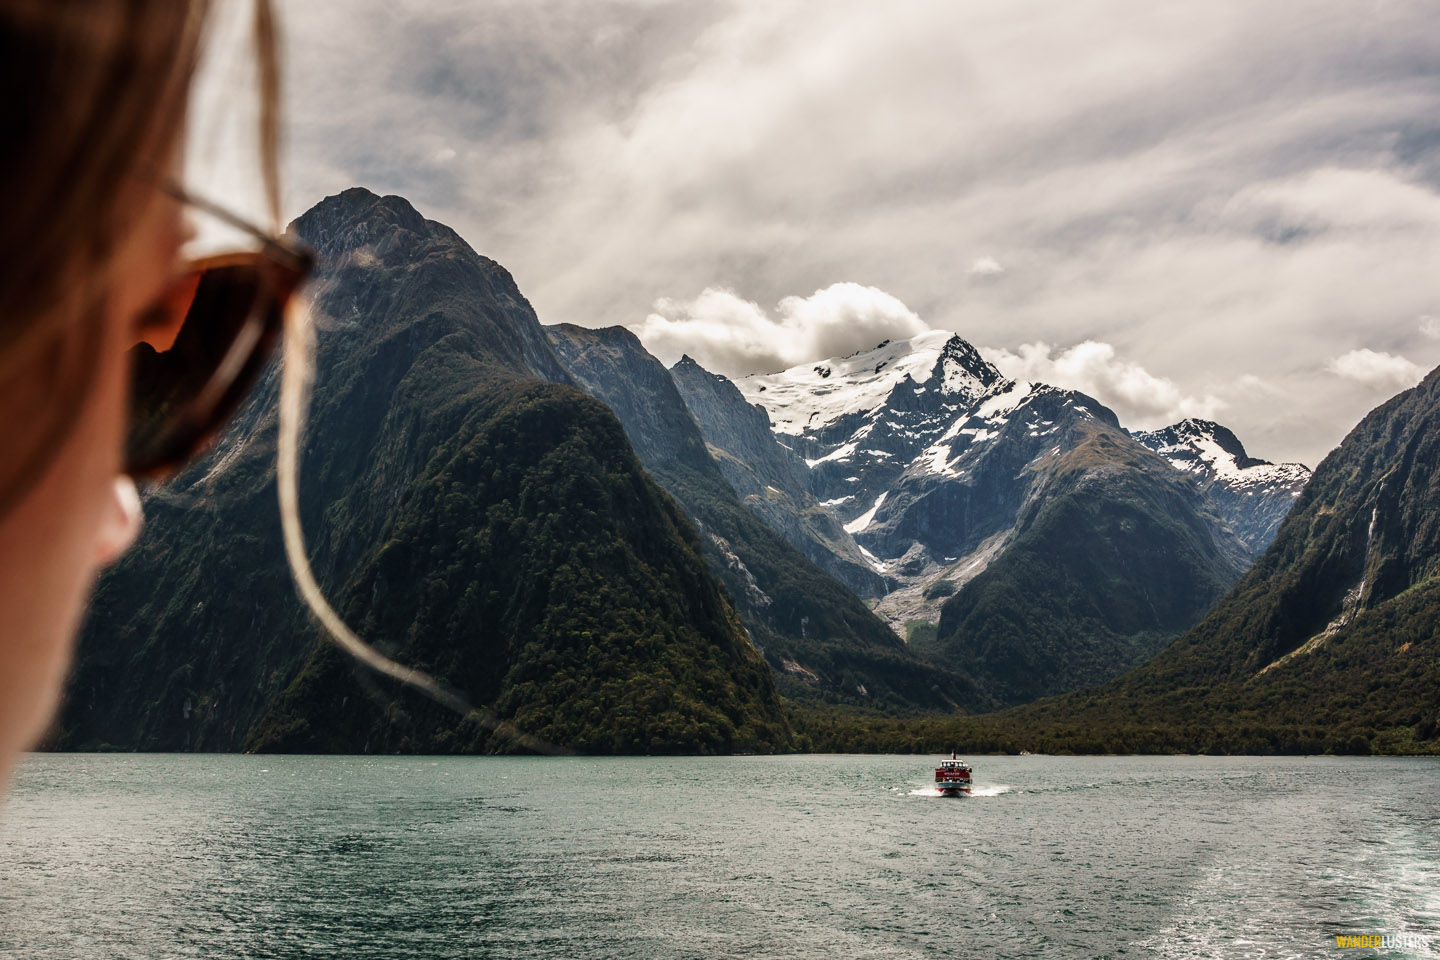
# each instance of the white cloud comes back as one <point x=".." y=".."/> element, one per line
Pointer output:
<point x="986" y="267"/>
<point x="1376" y="369"/>
<point x="1207" y="223"/>
<point x="729" y="334"/>
<point x="1430" y="326"/>
<point x="1137" y="396"/>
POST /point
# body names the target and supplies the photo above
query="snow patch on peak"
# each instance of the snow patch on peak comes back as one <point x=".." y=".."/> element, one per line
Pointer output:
<point x="936" y="459"/>
<point x="1005" y="400"/>
<point x="1206" y="448"/>
<point x="810" y="396"/>
<point x="842" y="452"/>
<point x="961" y="370"/>
<point x="876" y="564"/>
<point x="1222" y="461"/>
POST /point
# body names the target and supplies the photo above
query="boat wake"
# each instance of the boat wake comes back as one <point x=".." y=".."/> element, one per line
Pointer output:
<point x="990" y="790"/>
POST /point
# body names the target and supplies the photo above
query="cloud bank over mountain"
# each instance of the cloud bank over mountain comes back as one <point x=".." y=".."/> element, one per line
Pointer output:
<point x="734" y="336"/>
<point x="1231" y="195"/>
<point x="1141" y="399"/>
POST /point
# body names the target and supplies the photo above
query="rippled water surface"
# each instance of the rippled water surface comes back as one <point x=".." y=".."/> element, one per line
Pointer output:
<point x="367" y="858"/>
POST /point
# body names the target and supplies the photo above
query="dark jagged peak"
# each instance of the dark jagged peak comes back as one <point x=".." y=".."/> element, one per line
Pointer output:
<point x="615" y="337"/>
<point x="352" y="218"/>
<point x="359" y="226"/>
<point x="960" y="372"/>
<point x="1060" y="401"/>
<point x="613" y="366"/>
<point x="714" y="392"/>
<point x="690" y="366"/>
<point x="964" y="357"/>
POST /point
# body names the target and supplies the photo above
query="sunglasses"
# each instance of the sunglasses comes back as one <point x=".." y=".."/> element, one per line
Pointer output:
<point x="206" y="341"/>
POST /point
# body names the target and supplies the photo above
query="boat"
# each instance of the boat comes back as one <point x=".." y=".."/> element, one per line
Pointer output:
<point x="952" y="777"/>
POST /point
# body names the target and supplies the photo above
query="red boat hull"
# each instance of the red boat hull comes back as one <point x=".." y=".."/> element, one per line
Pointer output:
<point x="952" y="777"/>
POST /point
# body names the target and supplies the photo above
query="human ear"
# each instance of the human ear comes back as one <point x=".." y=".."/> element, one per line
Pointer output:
<point x="120" y="522"/>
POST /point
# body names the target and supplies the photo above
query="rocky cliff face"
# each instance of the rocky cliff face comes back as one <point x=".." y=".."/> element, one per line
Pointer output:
<point x="1331" y="641"/>
<point x="770" y="478"/>
<point x="1112" y="554"/>
<point x="1362" y="535"/>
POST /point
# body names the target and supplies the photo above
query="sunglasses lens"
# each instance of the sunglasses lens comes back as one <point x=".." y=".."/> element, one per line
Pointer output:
<point x="190" y="374"/>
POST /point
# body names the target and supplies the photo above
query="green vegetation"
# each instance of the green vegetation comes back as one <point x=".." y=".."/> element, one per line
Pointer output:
<point x="1330" y="643"/>
<point x="940" y="589"/>
<point x="854" y="731"/>
<point x="533" y="566"/>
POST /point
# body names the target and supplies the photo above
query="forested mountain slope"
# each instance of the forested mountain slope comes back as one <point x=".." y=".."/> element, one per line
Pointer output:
<point x="468" y="508"/>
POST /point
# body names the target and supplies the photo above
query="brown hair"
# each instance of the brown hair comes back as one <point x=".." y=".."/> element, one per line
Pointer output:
<point x="96" y="95"/>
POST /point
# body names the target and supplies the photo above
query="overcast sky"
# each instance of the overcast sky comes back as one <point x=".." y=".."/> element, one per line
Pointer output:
<point x="1224" y="209"/>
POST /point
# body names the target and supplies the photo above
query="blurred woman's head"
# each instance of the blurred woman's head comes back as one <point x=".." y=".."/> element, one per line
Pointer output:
<point x="92" y="112"/>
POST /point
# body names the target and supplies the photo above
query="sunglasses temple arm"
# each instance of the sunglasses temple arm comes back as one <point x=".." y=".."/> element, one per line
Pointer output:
<point x="298" y="259"/>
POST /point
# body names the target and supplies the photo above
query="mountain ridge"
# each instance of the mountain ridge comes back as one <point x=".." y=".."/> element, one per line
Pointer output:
<point x="936" y="465"/>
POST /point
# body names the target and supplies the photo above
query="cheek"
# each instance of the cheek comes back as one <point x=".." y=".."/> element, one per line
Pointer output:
<point x="51" y="546"/>
<point x="76" y="516"/>
<point x="53" y="543"/>
<point x="111" y="398"/>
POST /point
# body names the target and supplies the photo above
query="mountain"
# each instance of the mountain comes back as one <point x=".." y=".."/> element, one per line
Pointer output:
<point x="819" y="637"/>
<point x="858" y="424"/>
<point x="470" y="511"/>
<point x="1112" y="554"/>
<point x="1252" y="495"/>
<point x="1331" y="641"/>
<point x="1024" y="537"/>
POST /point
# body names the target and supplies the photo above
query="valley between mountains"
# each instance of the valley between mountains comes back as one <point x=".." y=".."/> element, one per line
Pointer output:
<point x="876" y="551"/>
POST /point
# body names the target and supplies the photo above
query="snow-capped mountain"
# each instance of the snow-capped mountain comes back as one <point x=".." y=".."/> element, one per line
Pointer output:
<point x="815" y="399"/>
<point x="916" y="446"/>
<point x="918" y="443"/>
<point x="1253" y="495"/>
<point x="940" y="468"/>
<point x="861" y="421"/>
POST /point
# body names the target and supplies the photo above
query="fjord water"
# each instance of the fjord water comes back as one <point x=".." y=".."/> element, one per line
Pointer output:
<point x="810" y="856"/>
